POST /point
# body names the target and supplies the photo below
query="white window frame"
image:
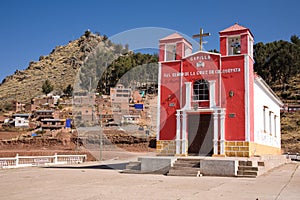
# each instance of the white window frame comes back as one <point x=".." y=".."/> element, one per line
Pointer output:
<point x="201" y="91"/>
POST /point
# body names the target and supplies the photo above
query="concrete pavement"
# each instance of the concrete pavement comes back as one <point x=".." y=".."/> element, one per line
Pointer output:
<point x="93" y="182"/>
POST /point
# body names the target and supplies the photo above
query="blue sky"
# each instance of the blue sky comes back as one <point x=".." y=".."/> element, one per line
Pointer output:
<point x="32" y="28"/>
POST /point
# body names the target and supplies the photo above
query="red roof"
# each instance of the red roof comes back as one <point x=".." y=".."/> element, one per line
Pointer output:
<point x="235" y="27"/>
<point x="172" y="36"/>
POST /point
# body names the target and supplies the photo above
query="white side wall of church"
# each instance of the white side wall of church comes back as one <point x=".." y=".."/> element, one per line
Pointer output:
<point x="266" y="117"/>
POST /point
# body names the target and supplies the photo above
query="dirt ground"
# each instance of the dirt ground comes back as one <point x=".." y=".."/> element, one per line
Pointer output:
<point x="63" y="143"/>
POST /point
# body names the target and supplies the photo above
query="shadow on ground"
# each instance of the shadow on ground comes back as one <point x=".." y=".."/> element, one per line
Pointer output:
<point x="115" y="166"/>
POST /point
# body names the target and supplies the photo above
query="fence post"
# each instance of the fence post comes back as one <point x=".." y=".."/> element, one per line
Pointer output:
<point x="17" y="160"/>
<point x="55" y="158"/>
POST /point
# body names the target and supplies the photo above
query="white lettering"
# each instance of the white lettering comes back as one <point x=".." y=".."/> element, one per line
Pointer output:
<point x="202" y="57"/>
<point x="202" y="72"/>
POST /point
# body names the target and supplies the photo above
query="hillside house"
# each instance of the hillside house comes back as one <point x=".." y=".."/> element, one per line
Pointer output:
<point x="53" y="123"/>
<point x="21" y="120"/>
<point x="43" y="114"/>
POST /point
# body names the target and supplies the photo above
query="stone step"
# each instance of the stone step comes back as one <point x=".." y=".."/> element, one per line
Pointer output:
<point x="246" y="176"/>
<point x="245" y="163"/>
<point x="261" y="163"/>
<point x="186" y="164"/>
<point x="247" y="173"/>
<point x="247" y="168"/>
<point x="195" y="169"/>
<point x="188" y="159"/>
<point x="183" y="173"/>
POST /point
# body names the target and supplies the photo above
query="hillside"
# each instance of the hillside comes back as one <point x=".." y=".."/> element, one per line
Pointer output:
<point x="277" y="62"/>
<point x="60" y="67"/>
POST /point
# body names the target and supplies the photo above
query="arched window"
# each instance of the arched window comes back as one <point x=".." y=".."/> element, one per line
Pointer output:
<point x="200" y="90"/>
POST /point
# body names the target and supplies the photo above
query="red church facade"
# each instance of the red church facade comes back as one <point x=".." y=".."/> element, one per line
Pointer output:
<point x="208" y="103"/>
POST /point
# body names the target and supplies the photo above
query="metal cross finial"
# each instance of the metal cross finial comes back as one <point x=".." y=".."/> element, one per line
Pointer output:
<point x="200" y="36"/>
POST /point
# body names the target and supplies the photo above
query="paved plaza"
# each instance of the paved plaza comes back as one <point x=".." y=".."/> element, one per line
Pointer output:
<point x="94" y="181"/>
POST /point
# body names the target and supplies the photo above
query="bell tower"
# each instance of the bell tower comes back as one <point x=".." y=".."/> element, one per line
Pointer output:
<point x="236" y="40"/>
<point x="236" y="48"/>
<point x="173" y="48"/>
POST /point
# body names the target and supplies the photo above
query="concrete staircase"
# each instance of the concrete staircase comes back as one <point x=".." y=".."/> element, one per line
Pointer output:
<point x="257" y="166"/>
<point x="245" y="169"/>
<point x="185" y="167"/>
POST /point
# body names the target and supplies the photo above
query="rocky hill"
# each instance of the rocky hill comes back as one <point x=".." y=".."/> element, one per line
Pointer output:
<point x="60" y="67"/>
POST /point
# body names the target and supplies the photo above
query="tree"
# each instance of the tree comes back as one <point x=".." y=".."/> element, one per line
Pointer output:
<point x="47" y="87"/>
<point x="278" y="63"/>
<point x="68" y="90"/>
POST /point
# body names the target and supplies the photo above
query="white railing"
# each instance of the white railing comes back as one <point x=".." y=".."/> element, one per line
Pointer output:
<point x="26" y="161"/>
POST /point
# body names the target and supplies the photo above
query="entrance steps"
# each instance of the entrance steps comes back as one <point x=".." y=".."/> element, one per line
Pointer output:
<point x="256" y="166"/>
<point x="185" y="167"/>
<point x="207" y="166"/>
<point x="246" y="169"/>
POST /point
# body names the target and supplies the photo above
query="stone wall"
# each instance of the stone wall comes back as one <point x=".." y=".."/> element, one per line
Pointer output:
<point x="248" y="149"/>
<point x="166" y="147"/>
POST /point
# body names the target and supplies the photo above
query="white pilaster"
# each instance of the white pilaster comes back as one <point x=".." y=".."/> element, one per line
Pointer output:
<point x="158" y="102"/>
<point x="178" y="130"/>
<point x="215" y="140"/>
<point x="184" y="133"/>
<point x="188" y="96"/>
<point x="247" y="98"/>
<point x="222" y="132"/>
<point x="212" y="100"/>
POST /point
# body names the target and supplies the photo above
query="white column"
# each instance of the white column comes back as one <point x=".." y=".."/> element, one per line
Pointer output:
<point x="247" y="98"/>
<point x="178" y="130"/>
<point x="222" y="132"/>
<point x="158" y="102"/>
<point x="212" y="100"/>
<point x="184" y="134"/>
<point x="215" y="140"/>
<point x="188" y="95"/>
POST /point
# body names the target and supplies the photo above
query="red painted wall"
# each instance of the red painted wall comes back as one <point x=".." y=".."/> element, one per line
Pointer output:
<point x="179" y="51"/>
<point x="223" y="48"/>
<point x="161" y="52"/>
<point x="235" y="105"/>
<point x="232" y="79"/>
<point x="169" y="99"/>
<point x="244" y="44"/>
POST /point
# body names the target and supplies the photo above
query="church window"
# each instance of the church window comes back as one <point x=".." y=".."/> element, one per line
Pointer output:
<point x="170" y="53"/>
<point x="264" y="118"/>
<point x="200" y="90"/>
<point x="270" y="122"/>
<point x="275" y="124"/>
<point x="234" y="46"/>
